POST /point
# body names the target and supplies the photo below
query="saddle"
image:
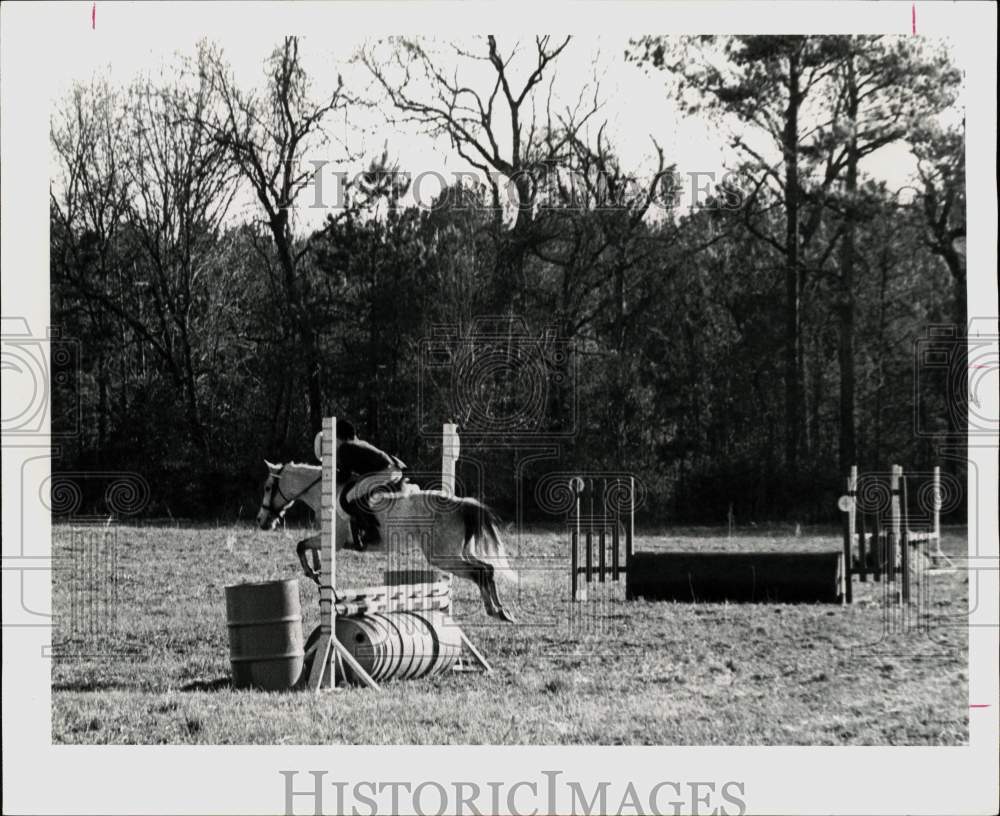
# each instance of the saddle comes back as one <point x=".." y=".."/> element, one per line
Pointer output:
<point x="364" y="524"/>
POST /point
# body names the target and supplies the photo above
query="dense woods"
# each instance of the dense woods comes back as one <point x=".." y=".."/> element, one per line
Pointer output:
<point x="738" y="354"/>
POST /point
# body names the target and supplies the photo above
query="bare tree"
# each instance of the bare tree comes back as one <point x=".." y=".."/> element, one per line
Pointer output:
<point x="88" y="199"/>
<point x="503" y="126"/>
<point x="182" y="185"/>
<point x="143" y="194"/>
<point x="267" y="135"/>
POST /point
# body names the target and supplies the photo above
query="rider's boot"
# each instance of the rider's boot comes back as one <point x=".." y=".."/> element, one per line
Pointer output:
<point x="364" y="523"/>
<point x="357" y="535"/>
<point x="371" y="532"/>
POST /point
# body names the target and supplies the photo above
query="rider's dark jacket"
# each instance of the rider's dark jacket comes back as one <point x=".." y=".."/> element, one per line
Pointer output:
<point x="358" y="457"/>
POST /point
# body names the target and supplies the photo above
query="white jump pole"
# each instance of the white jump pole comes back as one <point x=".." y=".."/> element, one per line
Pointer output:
<point x="942" y="563"/>
<point x="937" y="507"/>
<point x="323" y="673"/>
<point x="450" y="449"/>
<point x="330" y="651"/>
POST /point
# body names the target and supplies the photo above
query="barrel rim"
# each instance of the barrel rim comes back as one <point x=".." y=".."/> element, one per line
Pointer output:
<point x="274" y="582"/>
<point x="263" y="621"/>
<point x="266" y="658"/>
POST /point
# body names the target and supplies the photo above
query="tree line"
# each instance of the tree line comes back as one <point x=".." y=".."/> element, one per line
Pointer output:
<point x="737" y="356"/>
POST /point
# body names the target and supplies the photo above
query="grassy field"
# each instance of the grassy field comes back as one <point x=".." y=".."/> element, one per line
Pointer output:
<point x="154" y="668"/>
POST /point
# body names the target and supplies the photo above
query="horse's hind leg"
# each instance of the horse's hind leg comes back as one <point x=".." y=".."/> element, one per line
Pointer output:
<point x="483" y="575"/>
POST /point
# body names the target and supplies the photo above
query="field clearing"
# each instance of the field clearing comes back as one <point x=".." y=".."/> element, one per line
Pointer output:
<point x="155" y="669"/>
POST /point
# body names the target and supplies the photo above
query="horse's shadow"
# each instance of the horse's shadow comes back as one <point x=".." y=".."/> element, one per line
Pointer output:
<point x="88" y="685"/>
<point x="218" y="684"/>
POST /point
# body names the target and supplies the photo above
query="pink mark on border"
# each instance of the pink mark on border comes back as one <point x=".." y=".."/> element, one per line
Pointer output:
<point x="980" y="705"/>
<point x="93" y="16"/>
<point x="913" y="17"/>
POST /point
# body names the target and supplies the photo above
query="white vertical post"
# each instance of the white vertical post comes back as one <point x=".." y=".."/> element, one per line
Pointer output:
<point x="329" y="651"/>
<point x="852" y="491"/>
<point x="328" y="550"/>
<point x="449" y="456"/>
<point x="937" y="508"/>
<point x="850" y="535"/>
<point x="323" y="673"/>
<point x="895" y="512"/>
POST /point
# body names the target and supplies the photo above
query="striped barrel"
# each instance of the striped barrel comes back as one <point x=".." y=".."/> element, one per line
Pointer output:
<point x="400" y="645"/>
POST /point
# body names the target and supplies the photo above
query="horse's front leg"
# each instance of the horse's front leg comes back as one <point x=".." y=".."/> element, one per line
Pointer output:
<point x="317" y="558"/>
<point x="312" y="543"/>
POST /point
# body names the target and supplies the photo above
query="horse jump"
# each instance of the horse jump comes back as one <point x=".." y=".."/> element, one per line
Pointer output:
<point x="603" y="517"/>
<point x="884" y="547"/>
<point x="603" y="514"/>
<point x="329" y="660"/>
<point x="458" y="535"/>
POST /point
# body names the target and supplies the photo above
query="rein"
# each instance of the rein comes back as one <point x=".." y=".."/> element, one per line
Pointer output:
<point x="279" y="514"/>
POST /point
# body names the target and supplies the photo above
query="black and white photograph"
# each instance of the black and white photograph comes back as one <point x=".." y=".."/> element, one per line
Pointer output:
<point x="633" y="387"/>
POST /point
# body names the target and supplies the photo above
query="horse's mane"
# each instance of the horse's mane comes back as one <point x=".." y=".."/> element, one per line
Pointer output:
<point x="303" y="465"/>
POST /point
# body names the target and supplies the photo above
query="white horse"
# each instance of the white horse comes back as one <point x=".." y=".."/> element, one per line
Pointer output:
<point x="457" y="535"/>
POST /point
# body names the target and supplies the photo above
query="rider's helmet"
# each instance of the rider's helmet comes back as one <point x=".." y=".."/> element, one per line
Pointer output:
<point x="345" y="431"/>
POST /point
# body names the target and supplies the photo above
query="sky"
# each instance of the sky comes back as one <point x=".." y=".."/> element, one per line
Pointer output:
<point x="635" y="103"/>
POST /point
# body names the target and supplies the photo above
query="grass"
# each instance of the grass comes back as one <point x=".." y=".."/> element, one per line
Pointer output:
<point x="152" y="665"/>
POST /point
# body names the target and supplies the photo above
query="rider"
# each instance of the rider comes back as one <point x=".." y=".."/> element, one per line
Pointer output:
<point x="373" y="469"/>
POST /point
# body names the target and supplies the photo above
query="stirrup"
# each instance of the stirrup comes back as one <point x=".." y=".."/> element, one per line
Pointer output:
<point x="356" y="538"/>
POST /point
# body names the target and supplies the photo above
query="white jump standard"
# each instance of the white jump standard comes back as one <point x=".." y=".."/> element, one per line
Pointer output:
<point x="376" y="609"/>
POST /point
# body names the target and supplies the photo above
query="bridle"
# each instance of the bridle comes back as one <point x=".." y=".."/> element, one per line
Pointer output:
<point x="279" y="513"/>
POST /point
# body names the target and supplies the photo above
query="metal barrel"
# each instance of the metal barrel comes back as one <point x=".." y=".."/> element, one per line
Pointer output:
<point x="374" y="644"/>
<point x="418" y="647"/>
<point x="446" y="638"/>
<point x="400" y="645"/>
<point x="265" y="634"/>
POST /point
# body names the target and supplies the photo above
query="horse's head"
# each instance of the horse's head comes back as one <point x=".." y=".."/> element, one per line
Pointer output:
<point x="274" y="501"/>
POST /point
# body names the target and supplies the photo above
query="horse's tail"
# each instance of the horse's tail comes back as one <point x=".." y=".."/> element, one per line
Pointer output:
<point x="481" y="527"/>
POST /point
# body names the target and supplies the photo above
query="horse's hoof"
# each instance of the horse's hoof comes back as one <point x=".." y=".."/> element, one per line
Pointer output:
<point x="504" y="615"/>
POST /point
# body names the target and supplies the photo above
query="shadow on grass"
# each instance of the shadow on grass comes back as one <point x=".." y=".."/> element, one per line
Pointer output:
<point x="219" y="684"/>
<point x="91" y="685"/>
